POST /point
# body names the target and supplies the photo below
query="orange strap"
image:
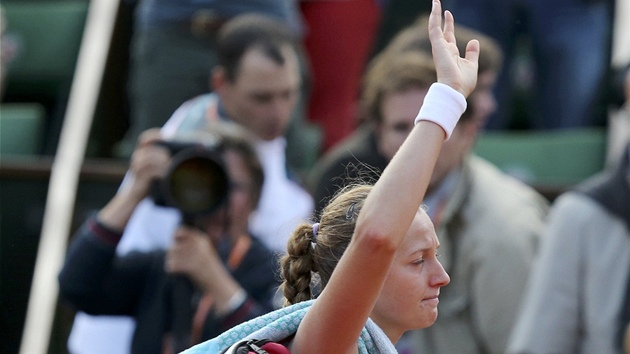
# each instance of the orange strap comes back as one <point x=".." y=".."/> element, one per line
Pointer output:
<point x="241" y="246"/>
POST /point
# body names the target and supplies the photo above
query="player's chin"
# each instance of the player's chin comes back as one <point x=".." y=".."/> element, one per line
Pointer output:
<point x="427" y="319"/>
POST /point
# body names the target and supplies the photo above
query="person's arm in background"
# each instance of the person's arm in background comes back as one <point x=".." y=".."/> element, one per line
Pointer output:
<point x="92" y="278"/>
<point x="236" y="294"/>
<point x="620" y="86"/>
<point x="150" y="226"/>
<point x="257" y="275"/>
<point x="618" y="128"/>
<point x="549" y="320"/>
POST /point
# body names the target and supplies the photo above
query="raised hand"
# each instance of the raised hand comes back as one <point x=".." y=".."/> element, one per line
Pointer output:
<point x="148" y="162"/>
<point x="453" y="70"/>
<point x="193" y="255"/>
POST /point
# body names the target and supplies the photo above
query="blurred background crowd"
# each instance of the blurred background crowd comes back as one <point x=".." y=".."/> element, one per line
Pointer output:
<point x="543" y="141"/>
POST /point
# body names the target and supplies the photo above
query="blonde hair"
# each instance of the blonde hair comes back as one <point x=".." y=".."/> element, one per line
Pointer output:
<point x="311" y="258"/>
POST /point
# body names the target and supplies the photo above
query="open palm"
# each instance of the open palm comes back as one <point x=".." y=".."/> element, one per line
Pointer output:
<point x="453" y="70"/>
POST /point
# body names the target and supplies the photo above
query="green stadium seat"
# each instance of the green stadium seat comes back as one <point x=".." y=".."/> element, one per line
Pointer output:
<point x="21" y="128"/>
<point x="546" y="159"/>
<point x="48" y="34"/>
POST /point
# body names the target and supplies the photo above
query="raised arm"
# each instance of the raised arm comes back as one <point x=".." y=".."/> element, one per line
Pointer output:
<point x="336" y="319"/>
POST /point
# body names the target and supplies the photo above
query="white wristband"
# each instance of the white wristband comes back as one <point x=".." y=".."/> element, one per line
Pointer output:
<point x="233" y="303"/>
<point x="236" y="300"/>
<point x="443" y="106"/>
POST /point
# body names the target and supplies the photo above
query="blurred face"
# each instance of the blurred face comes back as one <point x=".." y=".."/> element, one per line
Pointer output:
<point x="398" y="111"/>
<point x="263" y="94"/>
<point x="241" y="200"/>
<point x="409" y="298"/>
<point x="464" y="136"/>
<point x="482" y="98"/>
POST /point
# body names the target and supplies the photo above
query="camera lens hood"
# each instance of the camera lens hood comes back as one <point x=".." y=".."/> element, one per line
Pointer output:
<point x="196" y="182"/>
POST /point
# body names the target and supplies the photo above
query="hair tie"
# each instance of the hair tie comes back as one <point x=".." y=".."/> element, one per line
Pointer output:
<point x="350" y="211"/>
<point x="315" y="231"/>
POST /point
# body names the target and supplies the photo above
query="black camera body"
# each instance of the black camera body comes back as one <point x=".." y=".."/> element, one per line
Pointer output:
<point x="196" y="181"/>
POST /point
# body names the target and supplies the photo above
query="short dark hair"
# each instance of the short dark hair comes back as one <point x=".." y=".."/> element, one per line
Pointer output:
<point x="242" y="145"/>
<point x="248" y="31"/>
<point x="235" y="138"/>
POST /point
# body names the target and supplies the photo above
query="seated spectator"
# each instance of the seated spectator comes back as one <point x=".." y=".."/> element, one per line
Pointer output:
<point x="578" y="298"/>
<point x="233" y="274"/>
<point x="394" y="90"/>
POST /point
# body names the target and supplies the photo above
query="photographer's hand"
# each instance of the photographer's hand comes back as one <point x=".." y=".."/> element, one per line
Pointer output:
<point x="193" y="254"/>
<point x="148" y="162"/>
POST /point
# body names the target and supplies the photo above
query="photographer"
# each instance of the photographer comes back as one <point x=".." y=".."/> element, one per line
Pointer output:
<point x="232" y="273"/>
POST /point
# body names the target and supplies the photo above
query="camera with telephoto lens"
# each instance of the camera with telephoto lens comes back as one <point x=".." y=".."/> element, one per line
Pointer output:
<point x="196" y="181"/>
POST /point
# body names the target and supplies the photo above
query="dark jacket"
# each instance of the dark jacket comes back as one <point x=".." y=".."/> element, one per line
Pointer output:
<point x="97" y="281"/>
<point x="354" y="160"/>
